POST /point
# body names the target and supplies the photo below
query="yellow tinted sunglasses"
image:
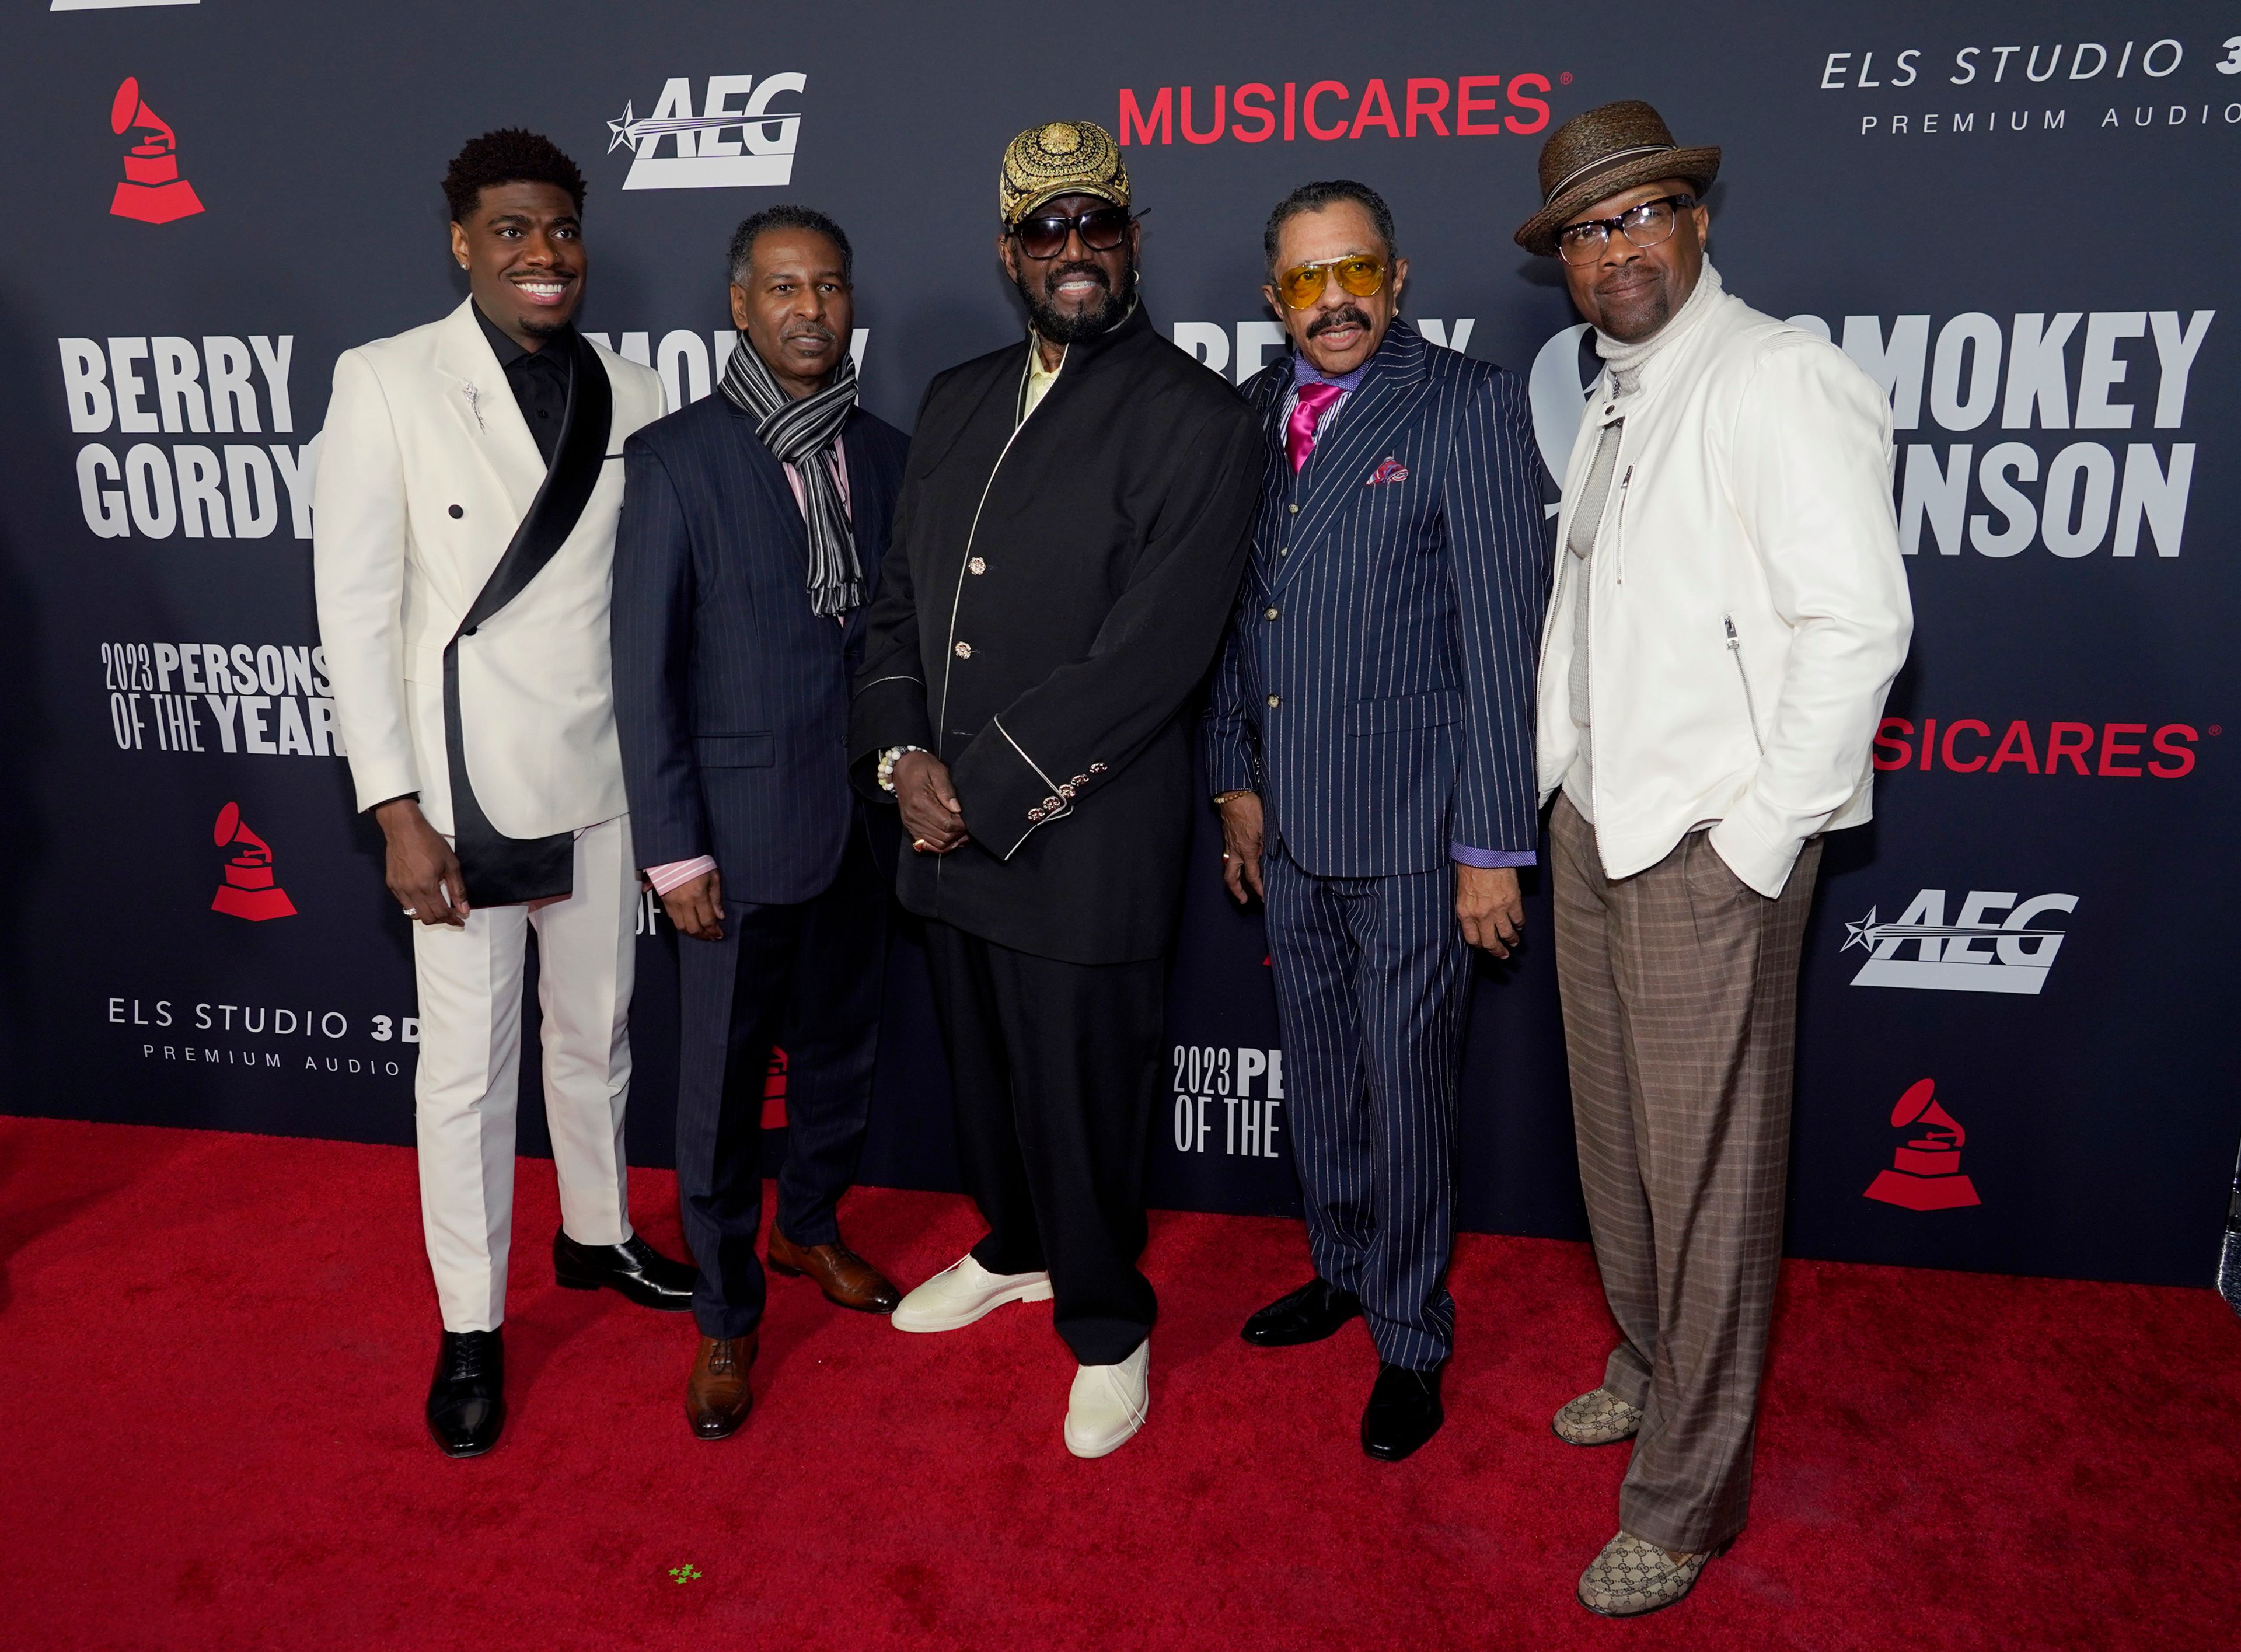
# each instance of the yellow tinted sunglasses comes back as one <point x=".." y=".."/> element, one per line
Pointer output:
<point x="1358" y="273"/>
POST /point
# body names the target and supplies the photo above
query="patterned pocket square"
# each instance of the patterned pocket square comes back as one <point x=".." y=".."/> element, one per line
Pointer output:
<point x="1390" y="471"/>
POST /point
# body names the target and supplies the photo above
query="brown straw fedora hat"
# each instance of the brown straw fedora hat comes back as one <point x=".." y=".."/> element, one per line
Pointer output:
<point x="1595" y="155"/>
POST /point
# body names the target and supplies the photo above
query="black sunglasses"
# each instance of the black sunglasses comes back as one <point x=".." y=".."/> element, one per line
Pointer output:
<point x="1101" y="229"/>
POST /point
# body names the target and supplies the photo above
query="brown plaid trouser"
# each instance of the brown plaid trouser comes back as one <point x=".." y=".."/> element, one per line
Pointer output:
<point x="1680" y="992"/>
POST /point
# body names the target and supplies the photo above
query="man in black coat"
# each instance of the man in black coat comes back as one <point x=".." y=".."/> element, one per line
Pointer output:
<point x="752" y="529"/>
<point x="1070" y="535"/>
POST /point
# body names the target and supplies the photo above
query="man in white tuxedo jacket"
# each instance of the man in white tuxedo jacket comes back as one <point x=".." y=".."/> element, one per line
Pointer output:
<point x="471" y="476"/>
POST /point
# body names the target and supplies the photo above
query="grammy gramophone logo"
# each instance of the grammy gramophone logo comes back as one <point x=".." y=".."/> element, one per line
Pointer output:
<point x="247" y="890"/>
<point x="153" y="191"/>
<point x="1925" y="1172"/>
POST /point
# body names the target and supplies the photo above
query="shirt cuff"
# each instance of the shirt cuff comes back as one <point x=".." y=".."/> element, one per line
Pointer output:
<point x="669" y="875"/>
<point x="1463" y="855"/>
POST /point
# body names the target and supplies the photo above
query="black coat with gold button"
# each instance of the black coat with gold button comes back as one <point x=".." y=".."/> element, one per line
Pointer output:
<point x="1054" y="590"/>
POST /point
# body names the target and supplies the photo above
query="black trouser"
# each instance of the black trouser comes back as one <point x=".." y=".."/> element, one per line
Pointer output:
<point x="1055" y="1068"/>
<point x="807" y="978"/>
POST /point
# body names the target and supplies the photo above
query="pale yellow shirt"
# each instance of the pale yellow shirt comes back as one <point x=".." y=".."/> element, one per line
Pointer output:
<point x="1040" y="378"/>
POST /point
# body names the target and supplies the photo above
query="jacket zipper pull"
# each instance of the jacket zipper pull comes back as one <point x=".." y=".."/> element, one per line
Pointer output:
<point x="1750" y="701"/>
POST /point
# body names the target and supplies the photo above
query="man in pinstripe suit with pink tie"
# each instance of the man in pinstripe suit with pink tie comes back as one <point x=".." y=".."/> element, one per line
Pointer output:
<point x="1370" y="744"/>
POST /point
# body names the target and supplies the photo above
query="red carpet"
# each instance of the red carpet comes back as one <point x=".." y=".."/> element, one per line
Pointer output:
<point x="213" y="1350"/>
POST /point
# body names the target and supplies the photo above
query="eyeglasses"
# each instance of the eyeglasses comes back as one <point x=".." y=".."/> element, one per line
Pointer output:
<point x="1358" y="273"/>
<point x="1644" y="225"/>
<point x="1101" y="229"/>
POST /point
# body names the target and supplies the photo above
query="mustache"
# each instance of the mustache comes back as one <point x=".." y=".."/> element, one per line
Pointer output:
<point x="810" y="329"/>
<point x="1351" y="315"/>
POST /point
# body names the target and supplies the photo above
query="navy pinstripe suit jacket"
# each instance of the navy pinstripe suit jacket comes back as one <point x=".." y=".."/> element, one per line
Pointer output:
<point x="1376" y="687"/>
<point x="731" y="695"/>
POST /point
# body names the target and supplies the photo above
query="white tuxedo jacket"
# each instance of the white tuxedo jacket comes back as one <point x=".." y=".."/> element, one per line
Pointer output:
<point x="425" y="470"/>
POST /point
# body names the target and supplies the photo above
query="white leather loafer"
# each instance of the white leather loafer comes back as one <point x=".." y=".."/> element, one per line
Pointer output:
<point x="962" y="1292"/>
<point x="1108" y="1404"/>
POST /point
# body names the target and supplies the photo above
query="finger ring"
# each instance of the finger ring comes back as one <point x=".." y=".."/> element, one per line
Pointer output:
<point x="1225" y="855"/>
<point x="410" y="912"/>
<point x="920" y="845"/>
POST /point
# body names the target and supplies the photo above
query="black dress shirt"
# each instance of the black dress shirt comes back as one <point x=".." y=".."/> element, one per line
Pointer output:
<point x="539" y="379"/>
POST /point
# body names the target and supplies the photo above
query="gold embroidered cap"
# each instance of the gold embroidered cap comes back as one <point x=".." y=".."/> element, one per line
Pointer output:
<point x="1059" y="157"/>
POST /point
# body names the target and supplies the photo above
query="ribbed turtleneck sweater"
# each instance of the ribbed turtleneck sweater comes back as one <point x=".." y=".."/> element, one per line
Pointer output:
<point x="1623" y="360"/>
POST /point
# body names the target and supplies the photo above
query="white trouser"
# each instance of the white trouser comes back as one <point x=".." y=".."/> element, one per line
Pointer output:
<point x="468" y="1082"/>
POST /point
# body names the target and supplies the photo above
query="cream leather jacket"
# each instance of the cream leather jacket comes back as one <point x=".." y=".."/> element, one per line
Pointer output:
<point x="1749" y="609"/>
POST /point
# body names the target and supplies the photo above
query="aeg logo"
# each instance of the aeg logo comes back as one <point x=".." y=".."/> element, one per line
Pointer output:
<point x="1955" y="957"/>
<point x="703" y="158"/>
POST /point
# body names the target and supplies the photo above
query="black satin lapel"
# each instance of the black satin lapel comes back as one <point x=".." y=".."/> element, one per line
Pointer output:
<point x="499" y="871"/>
<point x="567" y="488"/>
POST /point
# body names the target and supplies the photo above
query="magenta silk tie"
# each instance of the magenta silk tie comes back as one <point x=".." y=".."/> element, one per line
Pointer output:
<point x="1308" y="411"/>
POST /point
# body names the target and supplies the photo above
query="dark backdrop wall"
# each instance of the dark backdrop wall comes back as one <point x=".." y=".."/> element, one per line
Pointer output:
<point x="2011" y="213"/>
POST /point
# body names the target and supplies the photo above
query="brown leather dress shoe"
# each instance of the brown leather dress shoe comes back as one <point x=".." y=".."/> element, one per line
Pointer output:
<point x="716" y="1399"/>
<point x="845" y="1278"/>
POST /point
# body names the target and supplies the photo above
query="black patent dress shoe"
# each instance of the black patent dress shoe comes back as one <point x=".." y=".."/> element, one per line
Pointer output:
<point x="634" y="1267"/>
<point x="1403" y="1412"/>
<point x="466" y="1403"/>
<point x="1307" y="1314"/>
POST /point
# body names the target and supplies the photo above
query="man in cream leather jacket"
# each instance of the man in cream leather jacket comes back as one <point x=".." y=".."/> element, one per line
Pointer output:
<point x="469" y="480"/>
<point x="1730" y="610"/>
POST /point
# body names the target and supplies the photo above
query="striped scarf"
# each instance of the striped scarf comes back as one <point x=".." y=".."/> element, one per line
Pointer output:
<point x="801" y="433"/>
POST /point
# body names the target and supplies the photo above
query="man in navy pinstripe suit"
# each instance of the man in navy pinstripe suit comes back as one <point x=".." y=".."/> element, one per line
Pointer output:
<point x="1370" y="744"/>
<point x="753" y="526"/>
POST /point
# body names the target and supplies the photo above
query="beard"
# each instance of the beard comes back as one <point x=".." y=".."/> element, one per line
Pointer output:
<point x="1063" y="329"/>
<point x="1639" y="314"/>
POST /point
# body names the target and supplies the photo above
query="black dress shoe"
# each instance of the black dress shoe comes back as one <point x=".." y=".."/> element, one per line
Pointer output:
<point x="1403" y="1412"/>
<point x="634" y="1267"/>
<point x="1307" y="1314"/>
<point x="466" y="1403"/>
